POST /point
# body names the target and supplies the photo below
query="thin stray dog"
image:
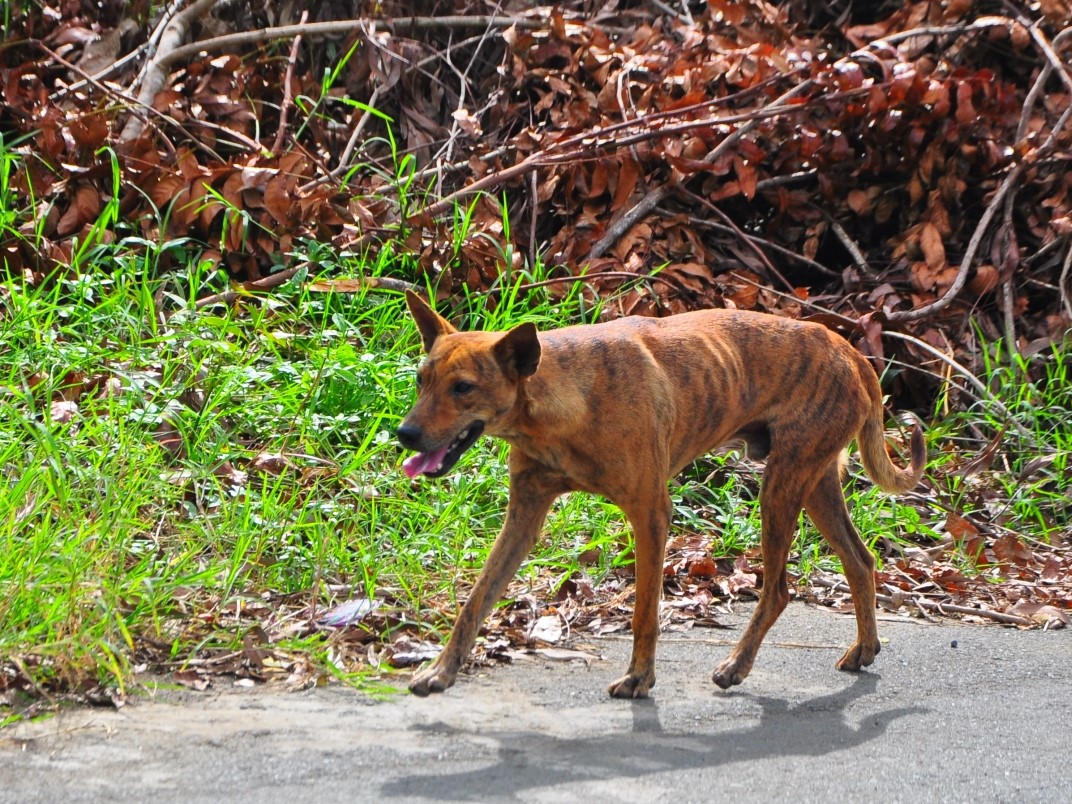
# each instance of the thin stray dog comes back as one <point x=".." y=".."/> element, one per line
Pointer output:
<point x="618" y="409"/>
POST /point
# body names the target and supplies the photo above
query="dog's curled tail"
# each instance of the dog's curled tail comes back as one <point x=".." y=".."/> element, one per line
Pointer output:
<point x="886" y="474"/>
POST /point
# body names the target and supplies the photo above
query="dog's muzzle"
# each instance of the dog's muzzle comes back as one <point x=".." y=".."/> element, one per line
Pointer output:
<point x="436" y="461"/>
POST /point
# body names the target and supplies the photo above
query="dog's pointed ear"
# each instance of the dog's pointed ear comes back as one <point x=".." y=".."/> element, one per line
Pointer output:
<point x="429" y="323"/>
<point x="518" y="351"/>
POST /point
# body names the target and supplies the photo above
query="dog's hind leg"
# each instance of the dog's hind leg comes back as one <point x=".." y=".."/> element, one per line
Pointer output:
<point x="532" y="491"/>
<point x="650" y="518"/>
<point x="780" y="501"/>
<point x="826" y="507"/>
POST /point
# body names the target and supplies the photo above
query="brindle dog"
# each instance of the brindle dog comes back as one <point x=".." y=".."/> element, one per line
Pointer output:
<point x="619" y="408"/>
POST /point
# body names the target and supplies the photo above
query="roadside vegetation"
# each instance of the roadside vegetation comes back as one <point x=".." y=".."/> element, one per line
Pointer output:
<point x="191" y="491"/>
<point x="204" y="349"/>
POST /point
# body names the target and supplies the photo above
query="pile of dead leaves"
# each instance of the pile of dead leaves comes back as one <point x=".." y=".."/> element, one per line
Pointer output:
<point x="905" y="165"/>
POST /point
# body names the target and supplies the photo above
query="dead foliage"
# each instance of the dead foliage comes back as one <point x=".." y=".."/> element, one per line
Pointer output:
<point x="915" y="174"/>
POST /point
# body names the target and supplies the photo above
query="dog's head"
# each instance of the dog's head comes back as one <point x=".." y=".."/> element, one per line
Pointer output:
<point x="467" y="385"/>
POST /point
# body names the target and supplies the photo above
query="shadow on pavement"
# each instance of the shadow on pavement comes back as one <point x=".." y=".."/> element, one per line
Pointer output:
<point x="530" y="760"/>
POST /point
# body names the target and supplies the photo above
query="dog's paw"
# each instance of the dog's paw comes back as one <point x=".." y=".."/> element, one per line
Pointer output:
<point x="431" y="679"/>
<point x="731" y="672"/>
<point x="858" y="656"/>
<point x="632" y="685"/>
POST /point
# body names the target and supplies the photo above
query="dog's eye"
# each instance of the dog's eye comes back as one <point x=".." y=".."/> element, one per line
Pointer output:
<point x="418" y="382"/>
<point x="461" y="387"/>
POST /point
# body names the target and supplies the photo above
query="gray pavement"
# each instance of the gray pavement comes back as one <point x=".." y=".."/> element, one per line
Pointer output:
<point x="987" y="720"/>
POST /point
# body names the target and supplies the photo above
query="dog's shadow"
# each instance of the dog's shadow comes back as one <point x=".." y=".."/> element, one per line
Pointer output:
<point x="530" y="760"/>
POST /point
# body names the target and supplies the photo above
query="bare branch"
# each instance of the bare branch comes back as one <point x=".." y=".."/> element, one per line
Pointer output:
<point x="342" y="27"/>
<point x="288" y="97"/>
<point x="172" y="36"/>
<point x="858" y="258"/>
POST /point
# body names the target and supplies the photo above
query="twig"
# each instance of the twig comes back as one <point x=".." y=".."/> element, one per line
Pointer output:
<point x="463" y="84"/>
<point x="533" y="215"/>
<point x="728" y="221"/>
<point x="248" y="288"/>
<point x="1008" y="305"/>
<point x="788" y="178"/>
<point x="288" y="95"/>
<point x="1042" y="254"/>
<point x="558" y="280"/>
<point x="782" y="250"/>
<point x="347" y="152"/>
<point x="858" y="257"/>
<point x="842" y="319"/>
<point x="529" y="163"/>
<point x="344" y="160"/>
<point x="623" y="224"/>
<point x="1007" y="288"/>
<point x="932" y="605"/>
<point x="1048" y="50"/>
<point x="980" y="24"/>
<point x="971" y="378"/>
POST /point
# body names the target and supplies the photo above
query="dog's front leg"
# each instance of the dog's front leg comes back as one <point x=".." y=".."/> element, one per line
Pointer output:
<point x="531" y="495"/>
<point x="650" y="518"/>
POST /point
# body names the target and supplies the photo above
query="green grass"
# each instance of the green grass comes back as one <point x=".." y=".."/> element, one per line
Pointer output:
<point x="126" y="520"/>
<point x="125" y="515"/>
<point x="1026" y="487"/>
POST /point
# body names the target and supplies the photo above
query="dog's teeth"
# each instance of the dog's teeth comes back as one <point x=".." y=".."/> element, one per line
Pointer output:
<point x="460" y="438"/>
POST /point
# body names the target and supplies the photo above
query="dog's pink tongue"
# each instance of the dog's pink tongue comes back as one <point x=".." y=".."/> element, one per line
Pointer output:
<point x="423" y="462"/>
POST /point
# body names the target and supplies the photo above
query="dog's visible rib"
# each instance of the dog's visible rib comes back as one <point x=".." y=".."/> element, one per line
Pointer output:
<point x="618" y="409"/>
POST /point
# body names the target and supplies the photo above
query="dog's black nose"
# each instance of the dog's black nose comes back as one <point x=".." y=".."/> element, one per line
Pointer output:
<point x="409" y="436"/>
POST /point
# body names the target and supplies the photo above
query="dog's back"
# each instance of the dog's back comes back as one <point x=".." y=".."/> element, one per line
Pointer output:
<point x="696" y="380"/>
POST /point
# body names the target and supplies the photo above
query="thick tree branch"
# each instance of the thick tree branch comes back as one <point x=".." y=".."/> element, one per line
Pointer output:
<point x="172" y="36"/>
<point x="344" y="28"/>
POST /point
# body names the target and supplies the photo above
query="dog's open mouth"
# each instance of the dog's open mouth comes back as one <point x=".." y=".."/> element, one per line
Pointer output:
<point x="438" y="462"/>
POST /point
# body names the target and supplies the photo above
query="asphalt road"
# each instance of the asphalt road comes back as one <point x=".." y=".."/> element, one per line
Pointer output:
<point x="987" y="720"/>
